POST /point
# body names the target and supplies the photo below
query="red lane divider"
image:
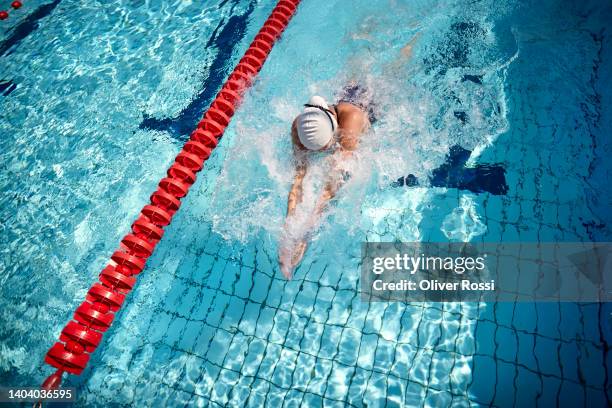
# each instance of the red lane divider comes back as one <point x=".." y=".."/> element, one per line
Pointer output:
<point x="94" y="316"/>
<point x="4" y="14"/>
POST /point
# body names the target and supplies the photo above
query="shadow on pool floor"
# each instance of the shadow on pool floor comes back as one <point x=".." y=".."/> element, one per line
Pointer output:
<point x="26" y="27"/>
<point x="225" y="38"/>
<point x="489" y="178"/>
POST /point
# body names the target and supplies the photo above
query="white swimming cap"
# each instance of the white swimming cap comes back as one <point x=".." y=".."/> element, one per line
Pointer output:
<point x="315" y="127"/>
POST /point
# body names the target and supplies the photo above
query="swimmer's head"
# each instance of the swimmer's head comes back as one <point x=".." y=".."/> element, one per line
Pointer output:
<point x="316" y="124"/>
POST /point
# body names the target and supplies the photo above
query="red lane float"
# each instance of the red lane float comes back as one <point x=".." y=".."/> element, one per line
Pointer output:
<point x="204" y="137"/>
<point x="4" y="14"/>
<point x="144" y="229"/>
<point x="93" y="317"/>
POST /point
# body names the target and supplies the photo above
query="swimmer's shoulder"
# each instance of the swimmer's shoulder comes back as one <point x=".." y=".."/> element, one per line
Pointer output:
<point x="347" y="107"/>
<point x="352" y="117"/>
<point x="349" y="111"/>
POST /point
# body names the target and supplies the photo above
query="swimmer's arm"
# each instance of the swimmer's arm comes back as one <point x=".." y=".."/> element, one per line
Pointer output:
<point x="335" y="182"/>
<point x="355" y="123"/>
<point x="329" y="192"/>
<point x="295" y="194"/>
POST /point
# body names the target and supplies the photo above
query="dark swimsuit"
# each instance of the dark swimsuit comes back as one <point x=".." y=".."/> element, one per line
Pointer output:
<point x="357" y="95"/>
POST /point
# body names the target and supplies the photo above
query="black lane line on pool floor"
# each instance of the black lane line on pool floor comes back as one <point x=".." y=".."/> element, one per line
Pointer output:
<point x="226" y="42"/>
<point x="17" y="34"/>
<point x="490" y="178"/>
<point x="26" y="27"/>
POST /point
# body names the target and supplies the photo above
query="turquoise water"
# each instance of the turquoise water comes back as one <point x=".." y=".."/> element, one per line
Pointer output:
<point x="97" y="101"/>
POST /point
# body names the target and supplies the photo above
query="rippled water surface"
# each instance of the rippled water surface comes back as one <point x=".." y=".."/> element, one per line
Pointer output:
<point x="98" y="97"/>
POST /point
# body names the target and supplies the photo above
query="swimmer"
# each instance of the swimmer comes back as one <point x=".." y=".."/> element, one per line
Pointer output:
<point x="320" y="127"/>
<point x="334" y="129"/>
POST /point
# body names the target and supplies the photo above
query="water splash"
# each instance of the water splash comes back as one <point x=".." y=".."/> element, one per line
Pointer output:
<point x="440" y="86"/>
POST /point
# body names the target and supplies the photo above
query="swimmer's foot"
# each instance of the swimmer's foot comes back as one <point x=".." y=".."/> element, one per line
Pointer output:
<point x="406" y="51"/>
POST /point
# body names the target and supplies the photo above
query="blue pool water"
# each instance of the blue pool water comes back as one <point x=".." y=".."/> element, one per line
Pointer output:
<point x="97" y="98"/>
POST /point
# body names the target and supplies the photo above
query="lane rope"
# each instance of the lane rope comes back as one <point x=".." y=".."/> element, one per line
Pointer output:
<point x="82" y="335"/>
<point x="15" y="5"/>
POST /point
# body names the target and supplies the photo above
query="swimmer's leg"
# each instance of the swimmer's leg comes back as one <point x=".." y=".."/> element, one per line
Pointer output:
<point x="406" y="51"/>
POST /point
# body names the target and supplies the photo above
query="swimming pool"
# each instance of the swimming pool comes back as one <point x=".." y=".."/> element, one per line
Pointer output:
<point x="98" y="98"/>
